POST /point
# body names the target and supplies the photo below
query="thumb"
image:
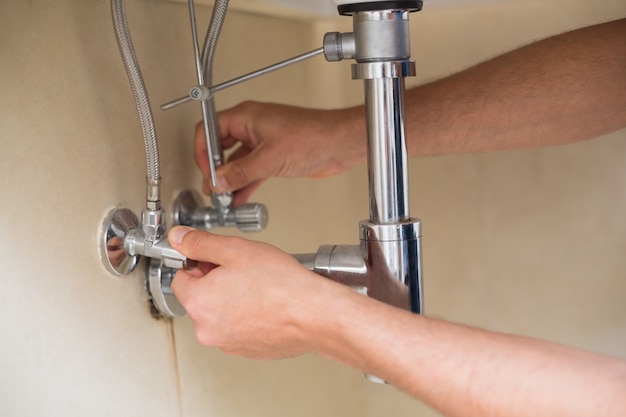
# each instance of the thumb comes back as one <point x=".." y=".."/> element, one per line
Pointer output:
<point x="202" y="246"/>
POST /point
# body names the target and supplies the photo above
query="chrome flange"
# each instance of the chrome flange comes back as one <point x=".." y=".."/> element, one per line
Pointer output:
<point x="185" y="205"/>
<point x="114" y="227"/>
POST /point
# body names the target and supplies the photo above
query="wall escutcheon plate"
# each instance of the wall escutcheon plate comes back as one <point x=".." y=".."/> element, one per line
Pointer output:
<point x="114" y="257"/>
<point x="184" y="206"/>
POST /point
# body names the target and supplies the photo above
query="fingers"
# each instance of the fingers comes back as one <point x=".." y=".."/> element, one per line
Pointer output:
<point x="202" y="157"/>
<point x="242" y="195"/>
<point x="183" y="284"/>
<point x="200" y="145"/>
<point x="245" y="166"/>
<point x="243" y="172"/>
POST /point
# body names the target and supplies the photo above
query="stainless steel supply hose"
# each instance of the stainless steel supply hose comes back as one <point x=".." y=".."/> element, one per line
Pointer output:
<point x="208" y="54"/>
<point x="120" y="23"/>
<point x="210" y="42"/>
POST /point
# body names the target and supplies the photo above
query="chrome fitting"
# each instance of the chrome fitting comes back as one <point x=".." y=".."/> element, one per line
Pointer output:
<point x="386" y="265"/>
<point x="338" y="46"/>
<point x="387" y="69"/>
<point x="392" y="253"/>
<point x="381" y="35"/>
<point x="222" y="201"/>
<point x="153" y="194"/>
<point x="341" y="263"/>
<point x="152" y="224"/>
<point x="189" y="211"/>
<point x="135" y="243"/>
<point x="199" y="93"/>
<point x="124" y="242"/>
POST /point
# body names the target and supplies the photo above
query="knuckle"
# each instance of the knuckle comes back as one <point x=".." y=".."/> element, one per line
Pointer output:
<point x="194" y="309"/>
<point x="239" y="176"/>
<point x="247" y="105"/>
<point x="204" y="337"/>
<point x="199" y="130"/>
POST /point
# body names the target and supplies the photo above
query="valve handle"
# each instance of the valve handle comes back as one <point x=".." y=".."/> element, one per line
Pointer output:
<point x="189" y="210"/>
<point x="242" y="78"/>
<point x="207" y="115"/>
<point x="251" y="217"/>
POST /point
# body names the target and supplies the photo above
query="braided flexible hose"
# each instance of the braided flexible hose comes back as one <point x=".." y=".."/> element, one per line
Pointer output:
<point x="120" y="23"/>
<point x="213" y="34"/>
<point x="208" y="54"/>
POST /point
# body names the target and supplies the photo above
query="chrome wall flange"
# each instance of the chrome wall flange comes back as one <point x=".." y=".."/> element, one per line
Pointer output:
<point x="159" y="287"/>
<point x="184" y="207"/>
<point x="114" y="227"/>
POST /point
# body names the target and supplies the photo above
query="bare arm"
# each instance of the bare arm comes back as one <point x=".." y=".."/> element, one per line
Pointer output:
<point x="558" y="90"/>
<point x="463" y="371"/>
<point x="266" y="305"/>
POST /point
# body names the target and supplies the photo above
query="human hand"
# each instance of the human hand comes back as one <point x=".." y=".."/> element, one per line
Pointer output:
<point x="245" y="297"/>
<point x="283" y="141"/>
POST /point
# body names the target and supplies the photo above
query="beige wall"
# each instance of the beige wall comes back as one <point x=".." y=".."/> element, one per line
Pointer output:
<point x="528" y="242"/>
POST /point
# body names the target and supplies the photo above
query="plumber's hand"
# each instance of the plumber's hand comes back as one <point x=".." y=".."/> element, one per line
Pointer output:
<point x="244" y="297"/>
<point x="285" y="141"/>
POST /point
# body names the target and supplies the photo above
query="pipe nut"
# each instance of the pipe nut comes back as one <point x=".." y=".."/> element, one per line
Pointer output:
<point x="152" y="224"/>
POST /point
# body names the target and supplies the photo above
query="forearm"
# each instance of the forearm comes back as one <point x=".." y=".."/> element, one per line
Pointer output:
<point x="559" y="90"/>
<point x="468" y="372"/>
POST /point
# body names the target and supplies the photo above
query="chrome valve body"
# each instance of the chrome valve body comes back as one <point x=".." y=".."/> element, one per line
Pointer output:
<point x="125" y="241"/>
<point x="190" y="211"/>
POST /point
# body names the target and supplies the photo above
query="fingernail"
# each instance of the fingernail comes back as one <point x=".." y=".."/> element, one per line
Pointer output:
<point x="175" y="236"/>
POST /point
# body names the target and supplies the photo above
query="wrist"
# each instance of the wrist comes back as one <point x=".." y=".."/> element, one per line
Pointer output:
<point x="350" y="135"/>
<point x="318" y="316"/>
